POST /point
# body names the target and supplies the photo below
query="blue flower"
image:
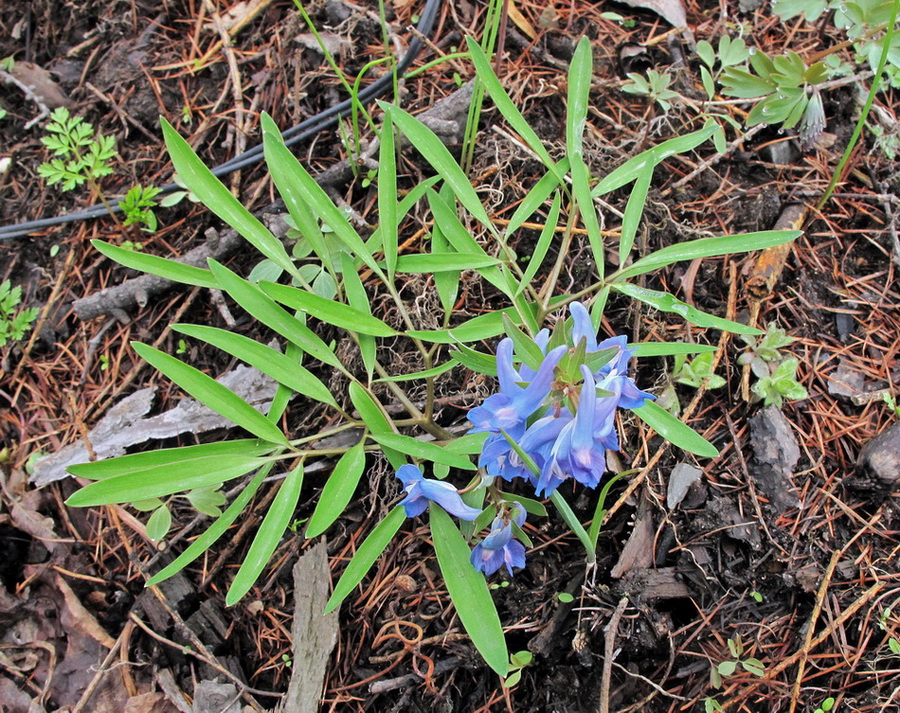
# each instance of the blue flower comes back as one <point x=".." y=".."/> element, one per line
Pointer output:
<point x="499" y="548"/>
<point x="579" y="449"/>
<point x="509" y="409"/>
<point x="419" y="490"/>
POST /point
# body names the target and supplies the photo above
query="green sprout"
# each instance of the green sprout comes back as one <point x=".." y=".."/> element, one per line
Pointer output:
<point x="81" y="156"/>
<point x="137" y="206"/>
<point x="13" y="324"/>
<point x="655" y="86"/>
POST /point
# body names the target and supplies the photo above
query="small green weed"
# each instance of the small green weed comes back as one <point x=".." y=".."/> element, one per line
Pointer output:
<point x="13" y="324"/>
<point x="517" y="662"/>
<point x="137" y="206"/>
<point x="81" y="155"/>
<point x="727" y="668"/>
<point x="825" y="706"/>
<point x="655" y="86"/>
<point x="775" y="372"/>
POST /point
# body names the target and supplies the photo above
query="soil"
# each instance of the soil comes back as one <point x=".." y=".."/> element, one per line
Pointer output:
<point x="809" y="587"/>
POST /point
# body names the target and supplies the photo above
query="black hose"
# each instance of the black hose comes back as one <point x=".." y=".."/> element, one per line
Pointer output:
<point x="302" y="131"/>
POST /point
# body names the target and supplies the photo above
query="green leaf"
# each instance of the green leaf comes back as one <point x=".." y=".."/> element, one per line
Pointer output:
<point x="212" y="394"/>
<point x="436" y="154"/>
<point x="336" y="313"/>
<point x="631" y="169"/>
<point x="292" y="172"/>
<point x="674" y="431"/>
<point x="709" y="247"/>
<point x="214" y="531"/>
<point x="374" y="416"/>
<point x="429" y="263"/>
<point x="706" y="53"/>
<point x="476" y="361"/>
<point x="582" y="189"/>
<point x="138" y="462"/>
<point x="507" y="107"/>
<point x="208" y="501"/>
<point x="387" y="196"/>
<point x="263" y="308"/>
<point x="277" y="518"/>
<point x="726" y="668"/>
<point x="165" y="479"/>
<point x="369" y="551"/>
<point x="159" y="524"/>
<point x="269" y="361"/>
<point x="543" y="245"/>
<point x="655" y="349"/>
<point x="574" y="524"/>
<point x="163" y="267"/>
<point x="634" y="210"/>
<point x="669" y="303"/>
<point x="358" y="298"/>
<point x="535" y="198"/>
<point x="424" y="450"/>
<point x="198" y="179"/>
<point x="529" y="352"/>
<point x="426" y="374"/>
<point x="446" y="283"/>
<point x="338" y="490"/>
<point x="468" y="591"/>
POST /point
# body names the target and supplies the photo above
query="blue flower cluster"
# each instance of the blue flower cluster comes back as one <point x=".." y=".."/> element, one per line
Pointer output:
<point x="562" y="419"/>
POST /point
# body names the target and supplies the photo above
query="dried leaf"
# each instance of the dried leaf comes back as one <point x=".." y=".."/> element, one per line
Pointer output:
<point x="672" y="11"/>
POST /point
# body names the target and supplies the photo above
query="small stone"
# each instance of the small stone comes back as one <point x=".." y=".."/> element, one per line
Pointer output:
<point x="880" y="457"/>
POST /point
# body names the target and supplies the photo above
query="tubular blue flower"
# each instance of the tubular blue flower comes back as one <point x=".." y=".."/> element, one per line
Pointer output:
<point x="419" y="490"/>
<point x="510" y="409"/>
<point x="576" y="452"/>
<point x="582" y="328"/>
<point x="499" y="548"/>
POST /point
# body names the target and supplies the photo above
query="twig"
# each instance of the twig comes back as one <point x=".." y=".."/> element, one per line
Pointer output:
<point x="609" y="643"/>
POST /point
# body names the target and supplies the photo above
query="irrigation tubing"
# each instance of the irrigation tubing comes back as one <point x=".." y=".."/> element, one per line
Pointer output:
<point x="302" y="131"/>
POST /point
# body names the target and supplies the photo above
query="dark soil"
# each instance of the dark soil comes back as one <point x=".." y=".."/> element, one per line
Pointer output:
<point x="807" y="587"/>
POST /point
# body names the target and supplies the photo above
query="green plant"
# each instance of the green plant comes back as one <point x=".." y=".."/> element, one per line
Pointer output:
<point x="81" y="155"/>
<point x="696" y="373"/>
<point x="567" y="371"/>
<point x="825" y="706"/>
<point x="728" y="54"/>
<point x="775" y="372"/>
<point x="137" y="206"/>
<point x="517" y="662"/>
<point x="655" y="86"/>
<point x="728" y="667"/>
<point x="14" y="324"/>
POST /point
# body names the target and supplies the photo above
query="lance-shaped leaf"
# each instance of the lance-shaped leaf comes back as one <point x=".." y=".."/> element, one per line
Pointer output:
<point x="263" y="308"/>
<point x="336" y="313"/>
<point x="424" y="450"/>
<point x="468" y="591"/>
<point x="674" y="431"/>
<point x="212" y="394"/>
<point x="269" y="361"/>
<point x="162" y="480"/>
<point x="214" y="195"/>
<point x="138" y="462"/>
<point x="430" y="263"/>
<point x="507" y="107"/>
<point x="369" y="551"/>
<point x="294" y="175"/>
<point x="543" y="245"/>
<point x="338" y="490"/>
<point x="214" y="531"/>
<point x="387" y="195"/>
<point x="163" y="267"/>
<point x="631" y="218"/>
<point x="669" y="303"/>
<point x="655" y="349"/>
<point x="375" y="417"/>
<point x="708" y="247"/>
<point x="359" y="300"/>
<point x="277" y="518"/>
<point x="441" y="160"/>
<point x="535" y="197"/>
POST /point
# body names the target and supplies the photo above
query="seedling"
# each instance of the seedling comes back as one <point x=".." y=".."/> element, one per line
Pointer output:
<point x="825" y="706"/>
<point x="655" y="86"/>
<point x="81" y="155"/>
<point x="137" y="205"/>
<point x="776" y="373"/>
<point x="517" y="662"/>
<point x="729" y="53"/>
<point x="725" y="669"/>
<point x="14" y="324"/>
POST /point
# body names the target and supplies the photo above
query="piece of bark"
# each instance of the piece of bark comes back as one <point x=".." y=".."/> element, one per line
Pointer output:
<point x="659" y="583"/>
<point x="775" y="453"/>
<point x="638" y="550"/>
<point x="314" y="633"/>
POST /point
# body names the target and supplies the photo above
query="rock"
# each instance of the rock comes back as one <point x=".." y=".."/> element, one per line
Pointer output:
<point x="879" y="461"/>
<point x="683" y="476"/>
